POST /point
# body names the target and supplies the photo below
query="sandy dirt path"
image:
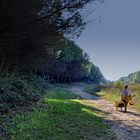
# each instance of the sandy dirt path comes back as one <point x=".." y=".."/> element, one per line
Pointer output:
<point x="125" y="125"/>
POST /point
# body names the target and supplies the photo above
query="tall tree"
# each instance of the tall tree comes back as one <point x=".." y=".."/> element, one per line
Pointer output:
<point x="39" y="21"/>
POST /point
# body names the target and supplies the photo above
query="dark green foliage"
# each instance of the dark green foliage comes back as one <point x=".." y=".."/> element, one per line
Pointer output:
<point x="33" y="37"/>
<point x="69" y="63"/>
<point x="96" y="76"/>
<point x="35" y="26"/>
<point x="20" y="89"/>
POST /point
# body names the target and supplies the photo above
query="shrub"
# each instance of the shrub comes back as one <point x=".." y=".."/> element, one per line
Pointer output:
<point x="20" y="88"/>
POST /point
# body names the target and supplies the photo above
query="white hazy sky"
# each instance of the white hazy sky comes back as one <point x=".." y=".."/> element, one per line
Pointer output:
<point x="112" y="37"/>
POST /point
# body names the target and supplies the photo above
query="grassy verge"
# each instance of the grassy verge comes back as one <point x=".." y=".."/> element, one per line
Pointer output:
<point x="112" y="94"/>
<point x="63" y="116"/>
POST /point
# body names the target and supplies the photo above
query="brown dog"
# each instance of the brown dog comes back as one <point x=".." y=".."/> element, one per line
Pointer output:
<point x="124" y="103"/>
<point x="119" y="104"/>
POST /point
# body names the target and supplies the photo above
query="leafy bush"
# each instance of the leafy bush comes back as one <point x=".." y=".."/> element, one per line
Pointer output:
<point x="20" y="88"/>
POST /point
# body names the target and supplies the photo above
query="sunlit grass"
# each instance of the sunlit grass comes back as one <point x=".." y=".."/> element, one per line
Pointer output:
<point x="111" y="94"/>
<point x="64" y="116"/>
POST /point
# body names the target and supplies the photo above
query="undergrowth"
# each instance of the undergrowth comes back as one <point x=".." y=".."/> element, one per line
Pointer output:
<point x="19" y="88"/>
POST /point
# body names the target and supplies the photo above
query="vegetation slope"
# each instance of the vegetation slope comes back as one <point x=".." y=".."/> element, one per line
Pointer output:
<point x="131" y="78"/>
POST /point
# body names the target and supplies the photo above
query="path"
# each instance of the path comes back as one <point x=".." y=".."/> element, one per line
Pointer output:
<point x="125" y="125"/>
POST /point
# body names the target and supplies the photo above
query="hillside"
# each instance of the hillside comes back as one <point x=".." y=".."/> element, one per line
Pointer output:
<point x="96" y="76"/>
<point x="131" y="78"/>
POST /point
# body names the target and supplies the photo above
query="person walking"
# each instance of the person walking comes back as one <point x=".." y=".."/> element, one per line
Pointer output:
<point x="126" y="96"/>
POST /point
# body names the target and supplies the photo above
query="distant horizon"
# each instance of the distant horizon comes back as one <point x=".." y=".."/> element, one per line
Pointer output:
<point x="112" y="38"/>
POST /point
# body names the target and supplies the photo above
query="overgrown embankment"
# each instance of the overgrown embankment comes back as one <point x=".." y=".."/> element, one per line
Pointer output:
<point x="19" y="92"/>
<point x="19" y="89"/>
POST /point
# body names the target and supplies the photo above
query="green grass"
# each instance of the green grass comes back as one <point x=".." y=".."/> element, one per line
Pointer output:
<point x="64" y="116"/>
<point x="112" y="94"/>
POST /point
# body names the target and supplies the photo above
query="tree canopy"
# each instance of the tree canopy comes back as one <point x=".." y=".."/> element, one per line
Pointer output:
<point x="42" y="22"/>
<point x="35" y="35"/>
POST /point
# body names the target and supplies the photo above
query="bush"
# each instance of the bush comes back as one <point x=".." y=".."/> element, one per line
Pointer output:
<point x="20" y="88"/>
